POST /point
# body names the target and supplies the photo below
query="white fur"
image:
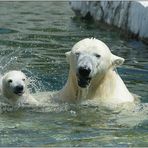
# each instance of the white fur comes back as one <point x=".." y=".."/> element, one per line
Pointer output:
<point x="9" y="82"/>
<point x="105" y="86"/>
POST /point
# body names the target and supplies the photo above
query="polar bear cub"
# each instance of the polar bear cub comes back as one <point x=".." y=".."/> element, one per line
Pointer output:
<point x="92" y="74"/>
<point x="14" y="89"/>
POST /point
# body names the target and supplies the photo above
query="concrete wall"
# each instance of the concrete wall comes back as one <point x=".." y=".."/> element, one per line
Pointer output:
<point x="131" y="16"/>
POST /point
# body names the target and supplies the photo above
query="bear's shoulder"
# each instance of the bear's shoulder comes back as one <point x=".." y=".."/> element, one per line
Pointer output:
<point x="27" y="100"/>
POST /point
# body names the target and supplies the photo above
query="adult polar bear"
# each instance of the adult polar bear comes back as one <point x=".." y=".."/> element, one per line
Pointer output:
<point x="92" y="75"/>
<point x="14" y="91"/>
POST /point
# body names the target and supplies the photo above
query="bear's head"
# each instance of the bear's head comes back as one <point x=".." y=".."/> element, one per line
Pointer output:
<point x="14" y="84"/>
<point x="91" y="58"/>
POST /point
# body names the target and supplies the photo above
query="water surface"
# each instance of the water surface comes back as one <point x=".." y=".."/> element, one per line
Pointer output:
<point x="34" y="37"/>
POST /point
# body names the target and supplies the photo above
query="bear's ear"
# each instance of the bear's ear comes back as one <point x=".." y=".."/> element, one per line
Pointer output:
<point x="117" y="61"/>
<point x="67" y="56"/>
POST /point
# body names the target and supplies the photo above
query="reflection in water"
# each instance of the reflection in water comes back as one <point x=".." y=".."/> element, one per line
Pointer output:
<point x="34" y="37"/>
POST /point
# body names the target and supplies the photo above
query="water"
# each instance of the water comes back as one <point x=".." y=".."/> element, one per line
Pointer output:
<point x="33" y="38"/>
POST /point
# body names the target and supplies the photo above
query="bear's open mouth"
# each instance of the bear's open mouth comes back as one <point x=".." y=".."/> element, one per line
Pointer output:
<point x="19" y="93"/>
<point x="83" y="81"/>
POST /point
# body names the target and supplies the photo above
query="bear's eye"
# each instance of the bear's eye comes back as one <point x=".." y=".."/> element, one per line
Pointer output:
<point x="77" y="54"/>
<point x="97" y="55"/>
<point x="24" y="79"/>
<point x="10" y="81"/>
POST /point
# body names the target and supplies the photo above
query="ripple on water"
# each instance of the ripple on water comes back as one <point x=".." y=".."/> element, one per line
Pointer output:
<point x="7" y="31"/>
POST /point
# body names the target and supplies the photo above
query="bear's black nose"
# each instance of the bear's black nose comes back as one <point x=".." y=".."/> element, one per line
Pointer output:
<point x="84" y="71"/>
<point x="19" y="88"/>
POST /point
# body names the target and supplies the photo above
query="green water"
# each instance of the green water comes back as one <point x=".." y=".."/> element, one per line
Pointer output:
<point x="34" y="37"/>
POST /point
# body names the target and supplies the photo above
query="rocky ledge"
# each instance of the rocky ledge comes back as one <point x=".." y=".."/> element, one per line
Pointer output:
<point x="130" y="16"/>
